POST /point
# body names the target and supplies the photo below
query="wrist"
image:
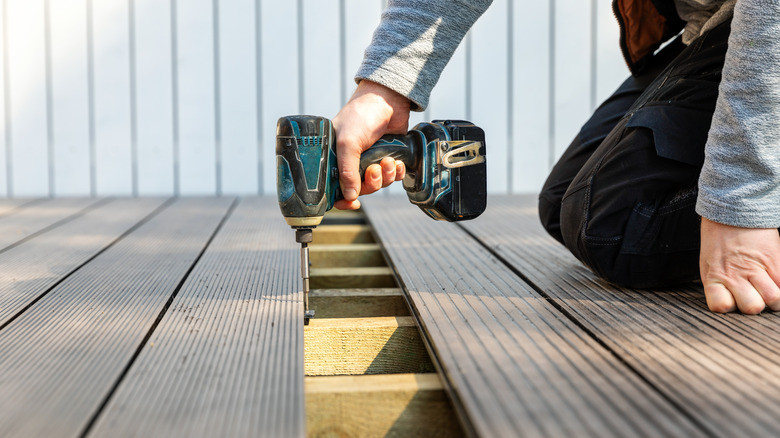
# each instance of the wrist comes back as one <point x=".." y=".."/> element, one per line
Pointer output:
<point x="381" y="94"/>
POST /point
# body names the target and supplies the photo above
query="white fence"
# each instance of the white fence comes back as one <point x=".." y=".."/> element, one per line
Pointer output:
<point x="151" y="97"/>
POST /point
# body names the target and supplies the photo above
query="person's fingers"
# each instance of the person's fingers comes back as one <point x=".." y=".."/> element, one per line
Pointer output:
<point x="373" y="180"/>
<point x="388" y="171"/>
<point x="770" y="292"/>
<point x="400" y="170"/>
<point x="746" y="296"/>
<point x="343" y="204"/>
<point x="719" y="299"/>
<point x="349" y="164"/>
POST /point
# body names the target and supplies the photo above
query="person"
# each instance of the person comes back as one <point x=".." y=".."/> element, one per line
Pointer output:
<point x="675" y="177"/>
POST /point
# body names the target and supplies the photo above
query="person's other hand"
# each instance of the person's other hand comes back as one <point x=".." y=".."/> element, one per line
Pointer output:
<point x="373" y="111"/>
<point x="740" y="267"/>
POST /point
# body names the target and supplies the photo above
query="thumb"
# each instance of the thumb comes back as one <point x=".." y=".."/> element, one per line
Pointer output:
<point x="349" y="151"/>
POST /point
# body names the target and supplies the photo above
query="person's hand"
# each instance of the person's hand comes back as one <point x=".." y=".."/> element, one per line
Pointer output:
<point x="740" y="267"/>
<point x="372" y="111"/>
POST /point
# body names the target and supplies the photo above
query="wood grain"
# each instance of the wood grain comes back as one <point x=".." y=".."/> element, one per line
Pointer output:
<point x="227" y="358"/>
<point x="342" y="346"/>
<point x="357" y="303"/>
<point x="404" y="405"/>
<point x="515" y="365"/>
<point x="719" y="370"/>
<point x="63" y="356"/>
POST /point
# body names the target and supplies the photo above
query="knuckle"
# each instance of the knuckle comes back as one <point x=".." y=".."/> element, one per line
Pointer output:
<point x="721" y="307"/>
<point x="753" y="309"/>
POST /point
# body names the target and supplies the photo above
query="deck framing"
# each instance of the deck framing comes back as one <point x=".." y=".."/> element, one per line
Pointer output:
<point x="183" y="317"/>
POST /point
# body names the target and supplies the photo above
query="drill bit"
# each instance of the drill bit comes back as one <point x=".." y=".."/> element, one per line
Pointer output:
<point x="304" y="236"/>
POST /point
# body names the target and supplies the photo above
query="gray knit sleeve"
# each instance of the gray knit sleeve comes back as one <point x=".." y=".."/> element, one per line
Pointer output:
<point x="740" y="181"/>
<point x="414" y="42"/>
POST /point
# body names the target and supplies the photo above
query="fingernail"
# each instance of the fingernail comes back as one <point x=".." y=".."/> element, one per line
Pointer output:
<point x="376" y="174"/>
<point x="350" y="194"/>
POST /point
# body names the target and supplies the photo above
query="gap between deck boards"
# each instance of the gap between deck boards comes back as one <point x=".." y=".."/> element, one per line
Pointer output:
<point x="368" y="371"/>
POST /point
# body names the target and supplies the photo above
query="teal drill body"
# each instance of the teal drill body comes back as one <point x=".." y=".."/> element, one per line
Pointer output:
<point x="445" y="172"/>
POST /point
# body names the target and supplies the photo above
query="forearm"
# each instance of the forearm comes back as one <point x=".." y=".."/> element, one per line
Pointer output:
<point x="414" y="42"/>
<point x="740" y="181"/>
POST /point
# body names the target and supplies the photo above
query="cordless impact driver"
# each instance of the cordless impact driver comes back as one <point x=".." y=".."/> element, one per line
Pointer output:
<point x="445" y="173"/>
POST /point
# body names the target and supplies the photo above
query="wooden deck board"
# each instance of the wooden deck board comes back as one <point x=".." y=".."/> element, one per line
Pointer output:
<point x="39" y="216"/>
<point x="515" y="365"/>
<point x="182" y="318"/>
<point x="32" y="268"/>
<point x="11" y="206"/>
<point x="227" y="358"/>
<point x="62" y="357"/>
<point x="720" y="370"/>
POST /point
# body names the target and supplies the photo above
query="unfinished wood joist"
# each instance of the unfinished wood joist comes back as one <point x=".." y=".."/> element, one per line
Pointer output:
<point x="378" y="345"/>
<point x="358" y="303"/>
<point x="402" y="405"/>
<point x="369" y="373"/>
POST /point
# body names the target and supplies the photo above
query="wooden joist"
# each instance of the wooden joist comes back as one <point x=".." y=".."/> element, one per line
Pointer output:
<point x="342" y="234"/>
<point x="514" y="364"/>
<point x="404" y="405"/>
<point x="362" y="331"/>
<point x="346" y="255"/>
<point x="364" y="346"/>
<point x="357" y="303"/>
<point x="362" y="277"/>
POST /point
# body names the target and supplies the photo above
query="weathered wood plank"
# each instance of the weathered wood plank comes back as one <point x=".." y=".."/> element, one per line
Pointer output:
<point x="30" y="269"/>
<point x="514" y="363"/>
<point x="40" y="216"/>
<point x="63" y="356"/>
<point x="227" y="358"/>
<point x="404" y="405"/>
<point x="364" y="346"/>
<point x="12" y="205"/>
<point x="721" y="370"/>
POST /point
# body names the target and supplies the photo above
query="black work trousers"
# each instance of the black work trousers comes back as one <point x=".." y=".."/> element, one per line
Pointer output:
<point x="622" y="196"/>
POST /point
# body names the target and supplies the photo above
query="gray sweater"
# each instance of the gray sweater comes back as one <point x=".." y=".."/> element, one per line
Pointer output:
<point x="740" y="181"/>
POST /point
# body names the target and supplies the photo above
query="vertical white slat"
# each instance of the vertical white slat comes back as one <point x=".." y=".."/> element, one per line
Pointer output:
<point x="572" y="53"/>
<point x="361" y="18"/>
<point x="196" y="97"/>
<point x="321" y="57"/>
<point x="4" y="101"/>
<point x="238" y="94"/>
<point x="70" y="97"/>
<point x="112" y="111"/>
<point x="448" y="98"/>
<point x="611" y="69"/>
<point x="280" y="94"/>
<point x="531" y="95"/>
<point x="27" y="78"/>
<point x="154" y="97"/>
<point x="489" y="90"/>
